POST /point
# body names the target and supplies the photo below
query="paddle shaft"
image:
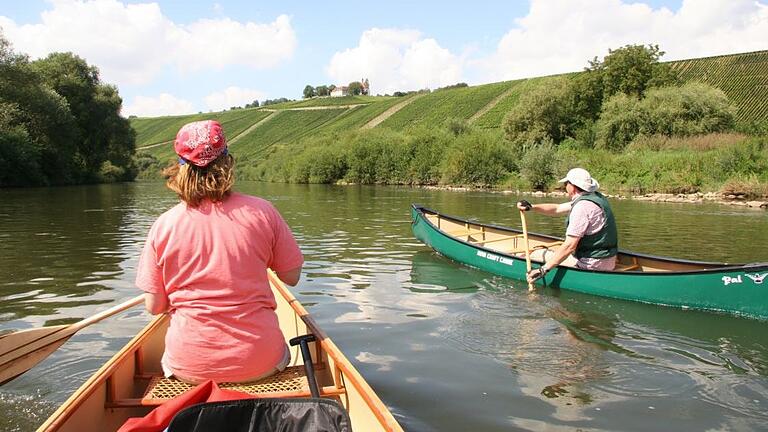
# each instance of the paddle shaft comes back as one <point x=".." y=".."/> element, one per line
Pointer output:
<point x="22" y="350"/>
<point x="109" y="312"/>
<point x="527" y="248"/>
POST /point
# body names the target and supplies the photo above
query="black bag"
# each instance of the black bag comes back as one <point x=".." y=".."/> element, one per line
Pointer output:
<point x="270" y="414"/>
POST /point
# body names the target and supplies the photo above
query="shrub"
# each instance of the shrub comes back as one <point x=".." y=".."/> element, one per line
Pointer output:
<point x="377" y="156"/>
<point x="620" y="122"/>
<point x="748" y="186"/>
<point x="477" y="159"/>
<point x="742" y="159"/>
<point x="109" y="173"/>
<point x="318" y="165"/>
<point x="698" y="142"/>
<point x="426" y="150"/>
<point x="691" y="109"/>
<point x="457" y="126"/>
<point x="543" y="113"/>
<point x="538" y="165"/>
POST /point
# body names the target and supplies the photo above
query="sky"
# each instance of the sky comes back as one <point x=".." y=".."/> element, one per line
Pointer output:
<point x="172" y="57"/>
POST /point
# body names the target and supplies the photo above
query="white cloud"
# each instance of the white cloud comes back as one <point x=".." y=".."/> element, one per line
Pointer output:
<point x="562" y="35"/>
<point x="232" y="96"/>
<point x="395" y="59"/>
<point x="162" y="105"/>
<point x="133" y="43"/>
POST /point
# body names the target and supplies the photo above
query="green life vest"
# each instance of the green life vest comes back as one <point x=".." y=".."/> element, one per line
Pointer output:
<point x="604" y="243"/>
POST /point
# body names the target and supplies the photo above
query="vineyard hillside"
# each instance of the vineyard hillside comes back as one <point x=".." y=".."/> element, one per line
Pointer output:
<point x="743" y="77"/>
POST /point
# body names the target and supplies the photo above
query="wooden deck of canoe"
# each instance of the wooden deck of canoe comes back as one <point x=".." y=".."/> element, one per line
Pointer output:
<point x="131" y="383"/>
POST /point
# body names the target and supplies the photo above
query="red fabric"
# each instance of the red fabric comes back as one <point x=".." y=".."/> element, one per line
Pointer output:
<point x="200" y="142"/>
<point x="160" y="417"/>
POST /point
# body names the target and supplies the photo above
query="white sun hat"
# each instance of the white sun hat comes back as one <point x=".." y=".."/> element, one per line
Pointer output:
<point x="580" y="178"/>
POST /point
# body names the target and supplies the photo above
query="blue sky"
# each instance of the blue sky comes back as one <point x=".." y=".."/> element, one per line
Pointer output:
<point x="175" y="57"/>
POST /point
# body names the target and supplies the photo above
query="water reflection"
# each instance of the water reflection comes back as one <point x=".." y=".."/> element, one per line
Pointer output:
<point x="68" y="245"/>
<point x="585" y="355"/>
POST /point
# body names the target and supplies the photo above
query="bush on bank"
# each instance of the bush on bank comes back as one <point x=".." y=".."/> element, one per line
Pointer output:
<point x="384" y="156"/>
<point x="728" y="163"/>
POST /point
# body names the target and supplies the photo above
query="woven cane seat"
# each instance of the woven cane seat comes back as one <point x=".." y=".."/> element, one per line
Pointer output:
<point x="292" y="380"/>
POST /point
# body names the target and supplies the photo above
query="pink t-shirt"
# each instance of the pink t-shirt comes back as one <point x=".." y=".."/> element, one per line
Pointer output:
<point x="212" y="262"/>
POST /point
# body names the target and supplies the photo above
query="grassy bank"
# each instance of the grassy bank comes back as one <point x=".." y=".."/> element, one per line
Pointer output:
<point x="450" y="156"/>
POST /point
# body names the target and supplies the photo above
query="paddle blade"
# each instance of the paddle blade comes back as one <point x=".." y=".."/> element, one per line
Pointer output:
<point x="19" y="365"/>
<point x="20" y="351"/>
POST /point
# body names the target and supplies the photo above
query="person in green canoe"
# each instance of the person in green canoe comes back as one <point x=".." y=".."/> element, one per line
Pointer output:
<point x="591" y="236"/>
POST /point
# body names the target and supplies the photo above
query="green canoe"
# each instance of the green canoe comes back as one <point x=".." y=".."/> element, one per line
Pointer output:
<point x="740" y="289"/>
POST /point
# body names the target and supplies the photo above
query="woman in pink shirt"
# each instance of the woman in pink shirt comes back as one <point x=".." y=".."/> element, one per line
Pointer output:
<point x="205" y="262"/>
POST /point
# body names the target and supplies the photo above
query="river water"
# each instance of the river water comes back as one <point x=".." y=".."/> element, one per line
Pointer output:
<point x="446" y="347"/>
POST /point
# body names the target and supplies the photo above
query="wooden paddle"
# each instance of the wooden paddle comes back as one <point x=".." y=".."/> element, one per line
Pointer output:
<point x="527" y="248"/>
<point x="22" y="350"/>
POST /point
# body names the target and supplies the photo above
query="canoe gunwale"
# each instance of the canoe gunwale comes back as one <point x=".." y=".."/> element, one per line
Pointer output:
<point x="720" y="267"/>
<point x="345" y="367"/>
<point x="81" y="395"/>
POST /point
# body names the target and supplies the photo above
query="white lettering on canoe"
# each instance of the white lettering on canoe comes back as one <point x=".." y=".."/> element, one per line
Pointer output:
<point x="756" y="278"/>
<point x="497" y="258"/>
<point x="729" y="280"/>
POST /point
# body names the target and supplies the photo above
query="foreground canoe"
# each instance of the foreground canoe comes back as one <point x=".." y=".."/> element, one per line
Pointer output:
<point x="130" y="384"/>
<point x="740" y="289"/>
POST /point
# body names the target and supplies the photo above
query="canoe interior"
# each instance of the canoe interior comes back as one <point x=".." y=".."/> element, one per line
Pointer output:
<point x="114" y="393"/>
<point x="510" y="242"/>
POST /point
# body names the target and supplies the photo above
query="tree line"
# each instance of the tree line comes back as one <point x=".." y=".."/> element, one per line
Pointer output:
<point x="354" y="88"/>
<point x="59" y="124"/>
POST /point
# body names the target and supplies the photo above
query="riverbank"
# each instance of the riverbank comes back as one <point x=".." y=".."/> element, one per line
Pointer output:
<point x="698" y="197"/>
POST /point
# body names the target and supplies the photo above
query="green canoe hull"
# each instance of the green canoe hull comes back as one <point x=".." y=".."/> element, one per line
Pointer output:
<point x="728" y="288"/>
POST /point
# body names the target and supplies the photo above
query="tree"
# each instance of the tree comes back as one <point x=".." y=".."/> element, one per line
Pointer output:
<point x="275" y="101"/>
<point x="103" y="134"/>
<point x="544" y="113"/>
<point x="355" y="88"/>
<point x="309" y="91"/>
<point x="322" y="90"/>
<point x="631" y="70"/>
<point x="37" y="129"/>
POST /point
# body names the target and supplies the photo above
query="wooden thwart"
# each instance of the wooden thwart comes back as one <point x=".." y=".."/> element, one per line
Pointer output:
<point x="498" y="239"/>
<point x="540" y="246"/>
<point x="464" y="233"/>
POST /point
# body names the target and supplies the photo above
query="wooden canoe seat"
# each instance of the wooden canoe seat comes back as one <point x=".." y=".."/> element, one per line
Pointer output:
<point x="628" y="267"/>
<point x="290" y="383"/>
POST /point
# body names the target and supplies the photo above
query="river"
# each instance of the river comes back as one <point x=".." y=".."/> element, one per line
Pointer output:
<point x="446" y="347"/>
